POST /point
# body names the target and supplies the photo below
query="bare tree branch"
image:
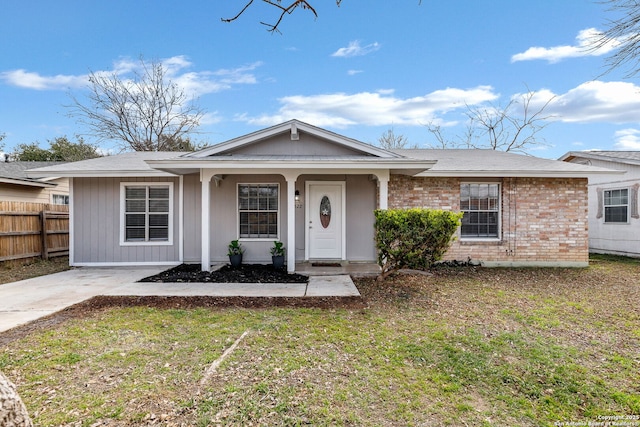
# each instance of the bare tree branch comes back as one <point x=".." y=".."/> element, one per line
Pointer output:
<point x="284" y="10"/>
<point x="514" y="127"/>
<point x="390" y="141"/>
<point x="623" y="32"/>
<point x="145" y="113"/>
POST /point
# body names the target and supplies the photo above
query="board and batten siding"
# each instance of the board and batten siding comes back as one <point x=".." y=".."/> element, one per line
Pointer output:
<point x="360" y="199"/>
<point x="96" y="229"/>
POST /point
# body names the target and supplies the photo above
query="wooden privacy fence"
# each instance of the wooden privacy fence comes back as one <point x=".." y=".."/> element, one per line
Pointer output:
<point x="29" y="230"/>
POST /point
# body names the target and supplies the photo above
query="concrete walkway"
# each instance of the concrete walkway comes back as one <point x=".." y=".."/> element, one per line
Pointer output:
<point x="28" y="300"/>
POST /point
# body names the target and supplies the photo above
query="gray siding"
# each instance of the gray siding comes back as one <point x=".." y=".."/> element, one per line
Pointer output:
<point x="307" y="145"/>
<point x="192" y="223"/>
<point x="96" y="232"/>
<point x="224" y="218"/>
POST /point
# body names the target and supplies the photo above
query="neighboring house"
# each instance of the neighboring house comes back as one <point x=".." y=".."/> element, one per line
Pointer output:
<point x="16" y="186"/>
<point x="316" y="191"/>
<point x="614" y="217"/>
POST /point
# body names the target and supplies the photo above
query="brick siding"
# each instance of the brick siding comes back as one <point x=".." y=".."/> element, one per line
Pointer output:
<point x="543" y="220"/>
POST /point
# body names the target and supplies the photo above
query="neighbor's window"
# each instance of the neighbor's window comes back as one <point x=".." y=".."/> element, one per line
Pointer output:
<point x="480" y="204"/>
<point x="60" y="199"/>
<point x="258" y="210"/>
<point x="147" y="213"/>
<point x="616" y="206"/>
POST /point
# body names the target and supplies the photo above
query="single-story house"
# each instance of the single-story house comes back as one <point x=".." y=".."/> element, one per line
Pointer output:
<point x="316" y="191"/>
<point x="16" y="186"/>
<point x="614" y="216"/>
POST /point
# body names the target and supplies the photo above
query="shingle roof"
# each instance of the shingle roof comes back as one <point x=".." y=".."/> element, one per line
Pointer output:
<point x="132" y="163"/>
<point x="628" y="157"/>
<point x="17" y="169"/>
<point x="459" y="162"/>
<point x="448" y="163"/>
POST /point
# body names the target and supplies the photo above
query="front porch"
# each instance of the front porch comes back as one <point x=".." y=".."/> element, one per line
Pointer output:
<point x="353" y="269"/>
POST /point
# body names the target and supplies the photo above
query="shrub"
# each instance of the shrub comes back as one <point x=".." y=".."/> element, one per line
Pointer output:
<point x="412" y="238"/>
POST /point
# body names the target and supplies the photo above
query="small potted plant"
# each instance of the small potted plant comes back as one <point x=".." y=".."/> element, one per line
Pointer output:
<point x="277" y="255"/>
<point x="235" y="253"/>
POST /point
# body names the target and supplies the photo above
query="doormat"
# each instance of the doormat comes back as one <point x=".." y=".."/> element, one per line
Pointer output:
<point x="326" y="264"/>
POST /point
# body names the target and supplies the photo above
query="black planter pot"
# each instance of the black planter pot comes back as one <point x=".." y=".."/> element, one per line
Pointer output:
<point x="278" y="261"/>
<point x="235" y="260"/>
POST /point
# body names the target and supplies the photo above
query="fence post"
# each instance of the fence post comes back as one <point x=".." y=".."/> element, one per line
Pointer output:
<point x="45" y="247"/>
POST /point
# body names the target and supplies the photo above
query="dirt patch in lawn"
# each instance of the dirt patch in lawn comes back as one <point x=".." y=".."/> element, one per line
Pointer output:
<point x="246" y="273"/>
<point x="12" y="271"/>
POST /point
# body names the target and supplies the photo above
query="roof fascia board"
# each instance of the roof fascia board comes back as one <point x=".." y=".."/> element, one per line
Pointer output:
<point x="108" y="174"/>
<point x="290" y="126"/>
<point x="593" y="155"/>
<point x="27" y="182"/>
<point x="516" y="174"/>
<point x="280" y="164"/>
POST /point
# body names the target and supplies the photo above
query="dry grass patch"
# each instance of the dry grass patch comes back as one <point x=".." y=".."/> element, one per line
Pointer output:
<point x="467" y="346"/>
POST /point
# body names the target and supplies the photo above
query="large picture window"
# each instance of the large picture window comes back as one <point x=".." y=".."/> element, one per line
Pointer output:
<point x="480" y="204"/>
<point x="146" y="216"/>
<point x="258" y="211"/>
<point x="616" y="206"/>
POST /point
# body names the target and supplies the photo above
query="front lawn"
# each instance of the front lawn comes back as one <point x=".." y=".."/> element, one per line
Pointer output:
<point x="468" y="346"/>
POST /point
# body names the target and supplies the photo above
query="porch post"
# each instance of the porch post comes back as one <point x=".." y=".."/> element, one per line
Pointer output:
<point x="205" y="218"/>
<point x="383" y="190"/>
<point x="291" y="222"/>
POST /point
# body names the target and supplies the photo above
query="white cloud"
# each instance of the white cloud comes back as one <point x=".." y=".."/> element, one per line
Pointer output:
<point x="379" y="108"/>
<point x="194" y="83"/>
<point x="627" y="139"/>
<point x="354" y="49"/>
<point x="354" y="72"/>
<point x="29" y="80"/>
<point x="585" y="40"/>
<point x="595" y="101"/>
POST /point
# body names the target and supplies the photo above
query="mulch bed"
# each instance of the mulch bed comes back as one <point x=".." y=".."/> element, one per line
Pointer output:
<point x="246" y="273"/>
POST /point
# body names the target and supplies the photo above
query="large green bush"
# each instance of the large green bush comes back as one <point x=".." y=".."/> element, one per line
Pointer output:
<point x="413" y="238"/>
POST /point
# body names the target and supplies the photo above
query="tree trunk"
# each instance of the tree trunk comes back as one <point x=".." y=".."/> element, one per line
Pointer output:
<point x="13" y="413"/>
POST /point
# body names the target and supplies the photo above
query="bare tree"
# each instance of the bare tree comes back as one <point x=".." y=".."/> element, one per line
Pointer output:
<point x="514" y="127"/>
<point x="286" y="9"/>
<point x="145" y="113"/>
<point x="623" y="32"/>
<point x="390" y="141"/>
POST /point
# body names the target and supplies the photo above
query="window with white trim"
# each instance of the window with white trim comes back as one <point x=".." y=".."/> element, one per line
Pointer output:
<point x="146" y="213"/>
<point x="258" y="211"/>
<point x="60" y="199"/>
<point x="480" y="204"/>
<point x="616" y="206"/>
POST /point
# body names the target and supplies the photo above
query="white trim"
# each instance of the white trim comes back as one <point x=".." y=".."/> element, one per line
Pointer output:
<point x="343" y="190"/>
<point x="181" y="218"/>
<point x="28" y="183"/>
<point x="71" y="224"/>
<point x="288" y="127"/>
<point x="123" y="185"/>
<point x="500" y="210"/>
<point x="257" y="239"/>
<point x="125" y="264"/>
<point x="511" y="174"/>
<point x="59" y="194"/>
<point x="604" y="207"/>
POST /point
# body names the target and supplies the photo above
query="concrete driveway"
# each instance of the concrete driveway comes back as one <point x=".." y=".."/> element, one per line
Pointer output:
<point x="27" y="300"/>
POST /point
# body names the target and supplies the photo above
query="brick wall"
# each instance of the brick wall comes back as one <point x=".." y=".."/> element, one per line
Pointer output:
<point x="543" y="220"/>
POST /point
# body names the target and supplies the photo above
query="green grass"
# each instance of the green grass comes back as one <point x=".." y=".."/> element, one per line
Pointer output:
<point x="469" y="347"/>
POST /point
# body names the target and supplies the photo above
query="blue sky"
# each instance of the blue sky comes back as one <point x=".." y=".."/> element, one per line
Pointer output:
<point x="358" y="69"/>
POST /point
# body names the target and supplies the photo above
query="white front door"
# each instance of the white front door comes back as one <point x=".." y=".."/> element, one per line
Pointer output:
<point x="325" y="222"/>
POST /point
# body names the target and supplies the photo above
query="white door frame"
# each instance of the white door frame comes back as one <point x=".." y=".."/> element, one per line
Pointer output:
<point x="343" y="215"/>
